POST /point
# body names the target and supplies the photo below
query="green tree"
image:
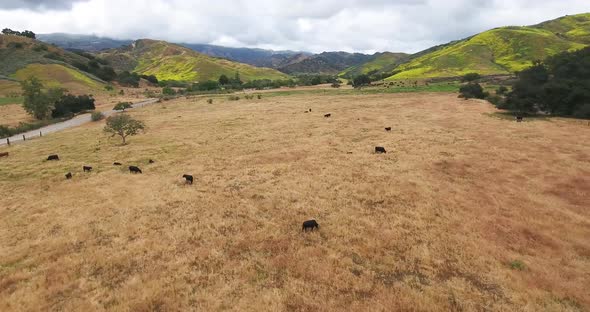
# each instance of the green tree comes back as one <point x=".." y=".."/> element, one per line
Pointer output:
<point x="168" y="91"/>
<point x="37" y="102"/>
<point x="223" y="80"/>
<point x="123" y="125"/>
<point x="122" y="106"/>
<point x="472" y="90"/>
<point x="361" y="80"/>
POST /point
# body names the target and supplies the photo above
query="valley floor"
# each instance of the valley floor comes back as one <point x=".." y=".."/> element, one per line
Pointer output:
<point x="466" y="212"/>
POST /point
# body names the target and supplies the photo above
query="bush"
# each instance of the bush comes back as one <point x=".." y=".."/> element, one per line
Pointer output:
<point x="234" y="98"/>
<point x="259" y="96"/>
<point x="497" y="100"/>
<point x="210" y="101"/>
<point x="472" y="90"/>
<point x="168" y="91"/>
<point x="69" y="105"/>
<point x="502" y="90"/>
<point x="109" y="88"/>
<point x="249" y="96"/>
<point x="471" y="77"/>
<point x="361" y="80"/>
<point x="517" y="265"/>
<point x="96" y="116"/>
<point x="40" y="47"/>
<point x="122" y="106"/>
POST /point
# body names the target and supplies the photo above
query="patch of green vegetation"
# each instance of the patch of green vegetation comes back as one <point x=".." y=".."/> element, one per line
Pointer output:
<point x="11" y="100"/>
<point x="517" y="265"/>
<point x="56" y="76"/>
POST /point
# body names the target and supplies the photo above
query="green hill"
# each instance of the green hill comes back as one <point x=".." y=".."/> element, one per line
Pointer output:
<point x="500" y="51"/>
<point x="22" y="57"/>
<point x="169" y="61"/>
<point x="379" y="63"/>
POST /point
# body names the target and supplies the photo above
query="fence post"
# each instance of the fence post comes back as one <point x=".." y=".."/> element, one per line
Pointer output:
<point x="24" y="138"/>
<point x="40" y="134"/>
<point x="8" y="141"/>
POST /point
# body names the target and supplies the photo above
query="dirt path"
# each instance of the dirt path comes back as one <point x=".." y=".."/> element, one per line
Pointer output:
<point x="74" y="122"/>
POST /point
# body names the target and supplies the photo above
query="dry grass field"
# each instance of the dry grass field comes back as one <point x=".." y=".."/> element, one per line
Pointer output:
<point x="466" y="212"/>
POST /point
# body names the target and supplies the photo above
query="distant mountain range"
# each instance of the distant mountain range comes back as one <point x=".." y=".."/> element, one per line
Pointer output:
<point x="289" y="62"/>
<point x="503" y="50"/>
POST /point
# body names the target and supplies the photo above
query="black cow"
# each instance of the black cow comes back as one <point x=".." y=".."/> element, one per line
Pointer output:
<point x="310" y="110"/>
<point x="86" y="168"/>
<point x="151" y="161"/>
<point x="117" y="164"/>
<point x="53" y="157"/>
<point x="68" y="175"/>
<point x="380" y="150"/>
<point x="328" y="115"/>
<point x="310" y="224"/>
<point x="188" y="178"/>
<point x="519" y="118"/>
<point x="388" y="129"/>
<point x="134" y="169"/>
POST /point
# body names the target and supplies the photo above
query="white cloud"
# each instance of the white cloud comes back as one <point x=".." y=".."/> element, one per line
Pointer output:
<point x="323" y="25"/>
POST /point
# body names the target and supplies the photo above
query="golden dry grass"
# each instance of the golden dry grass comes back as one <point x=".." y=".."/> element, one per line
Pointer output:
<point x="431" y="226"/>
<point x="13" y="114"/>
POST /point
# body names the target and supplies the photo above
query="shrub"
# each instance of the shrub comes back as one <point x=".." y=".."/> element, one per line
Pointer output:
<point x="168" y="91"/>
<point x="40" y="47"/>
<point x="502" y="90"/>
<point x="249" y="96"/>
<point x="259" y="96"/>
<point x="471" y="77"/>
<point x="517" y="265"/>
<point x="472" y="90"/>
<point x="109" y="88"/>
<point x="96" y="116"/>
<point x="361" y="80"/>
<point x="234" y="98"/>
<point x="210" y="101"/>
<point x="122" y="106"/>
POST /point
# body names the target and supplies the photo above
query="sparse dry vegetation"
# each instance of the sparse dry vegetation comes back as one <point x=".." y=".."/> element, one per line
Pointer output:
<point x="436" y="224"/>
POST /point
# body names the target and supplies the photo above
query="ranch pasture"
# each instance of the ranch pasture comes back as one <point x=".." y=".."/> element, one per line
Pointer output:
<point x="467" y="211"/>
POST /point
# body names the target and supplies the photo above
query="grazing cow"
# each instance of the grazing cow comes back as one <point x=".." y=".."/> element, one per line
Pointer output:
<point x="117" y="164"/>
<point x="151" y="161"/>
<point x="86" y="168"/>
<point x="5" y="154"/>
<point x="306" y="112"/>
<point x="388" y="129"/>
<point x="310" y="110"/>
<point x="519" y="118"/>
<point x="53" y="157"/>
<point x="380" y="150"/>
<point x="134" y="169"/>
<point x="328" y="115"/>
<point x="68" y="175"/>
<point x="188" y="178"/>
<point x="349" y="153"/>
<point x="310" y="224"/>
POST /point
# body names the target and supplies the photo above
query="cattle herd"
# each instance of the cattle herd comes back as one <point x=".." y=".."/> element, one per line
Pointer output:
<point x="132" y="169"/>
<point x="189" y="179"/>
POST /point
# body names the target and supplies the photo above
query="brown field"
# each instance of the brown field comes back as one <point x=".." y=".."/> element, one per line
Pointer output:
<point x="466" y="211"/>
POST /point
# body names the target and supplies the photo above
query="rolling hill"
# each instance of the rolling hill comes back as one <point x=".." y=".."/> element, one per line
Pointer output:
<point x="169" y="61"/>
<point x="323" y="63"/>
<point x="502" y="50"/>
<point x="22" y="57"/>
<point x="89" y="43"/>
<point x="379" y="63"/>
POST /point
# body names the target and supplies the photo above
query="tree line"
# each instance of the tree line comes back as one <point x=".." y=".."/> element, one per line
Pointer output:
<point x="26" y="33"/>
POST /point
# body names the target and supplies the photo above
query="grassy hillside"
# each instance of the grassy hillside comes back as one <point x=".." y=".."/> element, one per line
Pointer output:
<point x="325" y="63"/>
<point x="501" y="50"/>
<point x="173" y="62"/>
<point x="381" y="62"/>
<point x="23" y="57"/>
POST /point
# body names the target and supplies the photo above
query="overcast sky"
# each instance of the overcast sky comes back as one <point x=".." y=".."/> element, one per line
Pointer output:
<point x="308" y="25"/>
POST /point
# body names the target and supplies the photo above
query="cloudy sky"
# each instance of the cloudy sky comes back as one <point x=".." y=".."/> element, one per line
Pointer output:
<point x="308" y="25"/>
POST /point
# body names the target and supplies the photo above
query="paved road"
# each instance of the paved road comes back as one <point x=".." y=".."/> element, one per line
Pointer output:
<point x="74" y="122"/>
